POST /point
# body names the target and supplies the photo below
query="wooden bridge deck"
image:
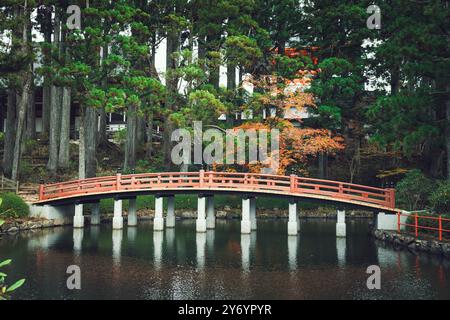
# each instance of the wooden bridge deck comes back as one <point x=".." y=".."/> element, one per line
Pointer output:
<point x="217" y="182"/>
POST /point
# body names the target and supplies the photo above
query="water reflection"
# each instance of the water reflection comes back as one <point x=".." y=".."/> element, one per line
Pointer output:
<point x="245" y="252"/>
<point x="94" y="232"/>
<point x="131" y="234"/>
<point x="292" y="252"/>
<point x="341" y="250"/>
<point x="200" y="241"/>
<point x="158" y="237"/>
<point x="117" y="236"/>
<point x="45" y="240"/>
<point x="387" y="256"/>
<point x="170" y="240"/>
<point x="210" y="235"/>
<point x="220" y="264"/>
<point x="78" y="240"/>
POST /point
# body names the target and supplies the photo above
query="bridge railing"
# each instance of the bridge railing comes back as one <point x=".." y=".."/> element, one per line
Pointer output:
<point x="220" y="180"/>
<point x="420" y="224"/>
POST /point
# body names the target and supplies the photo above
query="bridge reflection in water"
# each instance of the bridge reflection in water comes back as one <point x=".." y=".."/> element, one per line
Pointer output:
<point x="164" y="243"/>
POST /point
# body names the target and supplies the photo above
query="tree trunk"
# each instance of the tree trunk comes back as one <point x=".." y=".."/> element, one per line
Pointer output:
<point x="130" y="146"/>
<point x="281" y="46"/>
<point x="102" y="134"/>
<point x="241" y="71"/>
<point x="323" y="165"/>
<point x="149" y="135"/>
<point x="167" y="143"/>
<point x="2" y="119"/>
<point x="395" y="80"/>
<point x="231" y="77"/>
<point x="30" y="131"/>
<point x="81" y="147"/>
<point x="447" y="130"/>
<point x="171" y="84"/>
<point x="140" y="131"/>
<point x="55" y="110"/>
<point x="10" y="129"/>
<point x="64" y="142"/>
<point x="90" y="132"/>
<point x="55" y="130"/>
<point x="46" y="102"/>
<point x="46" y="93"/>
<point x="23" y="104"/>
<point x="31" y="116"/>
<point x="26" y="85"/>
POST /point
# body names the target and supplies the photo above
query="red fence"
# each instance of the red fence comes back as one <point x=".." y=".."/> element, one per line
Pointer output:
<point x="221" y="180"/>
<point x="424" y="224"/>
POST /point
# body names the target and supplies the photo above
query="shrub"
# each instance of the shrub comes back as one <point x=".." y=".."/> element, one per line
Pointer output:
<point x="13" y="206"/>
<point x="120" y="136"/>
<point x="440" y="198"/>
<point x="413" y="190"/>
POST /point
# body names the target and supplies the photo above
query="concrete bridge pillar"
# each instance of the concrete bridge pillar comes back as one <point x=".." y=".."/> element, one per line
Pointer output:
<point x="158" y="221"/>
<point x="117" y="219"/>
<point x="78" y="219"/>
<point x="253" y="213"/>
<point x="170" y="219"/>
<point x="95" y="214"/>
<point x="340" y="225"/>
<point x="293" y="223"/>
<point x="210" y="215"/>
<point x="132" y="212"/>
<point x="201" y="214"/>
<point x="246" y="223"/>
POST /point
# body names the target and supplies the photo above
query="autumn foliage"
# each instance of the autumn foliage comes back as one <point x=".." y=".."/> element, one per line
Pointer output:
<point x="298" y="146"/>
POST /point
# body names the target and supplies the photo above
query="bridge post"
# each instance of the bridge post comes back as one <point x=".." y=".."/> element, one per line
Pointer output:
<point x="117" y="219"/>
<point x="95" y="214"/>
<point x="132" y="214"/>
<point x="201" y="214"/>
<point x="78" y="219"/>
<point x="170" y="219"/>
<point x="210" y="216"/>
<point x="246" y="224"/>
<point x="340" y="225"/>
<point x="158" y="221"/>
<point x="253" y="213"/>
<point x="293" y="224"/>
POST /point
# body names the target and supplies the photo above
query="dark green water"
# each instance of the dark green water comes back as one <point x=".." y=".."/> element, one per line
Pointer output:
<point x="137" y="263"/>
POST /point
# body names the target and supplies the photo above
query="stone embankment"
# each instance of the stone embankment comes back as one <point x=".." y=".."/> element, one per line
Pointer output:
<point x="16" y="225"/>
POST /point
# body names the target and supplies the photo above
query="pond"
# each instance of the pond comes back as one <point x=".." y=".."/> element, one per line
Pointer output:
<point x="137" y="263"/>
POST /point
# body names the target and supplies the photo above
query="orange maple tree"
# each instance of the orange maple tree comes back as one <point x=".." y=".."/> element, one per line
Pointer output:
<point x="297" y="146"/>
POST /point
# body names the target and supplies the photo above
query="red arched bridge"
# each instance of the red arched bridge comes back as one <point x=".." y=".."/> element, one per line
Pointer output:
<point x="207" y="184"/>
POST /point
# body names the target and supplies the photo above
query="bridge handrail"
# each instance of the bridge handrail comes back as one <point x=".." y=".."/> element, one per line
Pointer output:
<point x="229" y="180"/>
